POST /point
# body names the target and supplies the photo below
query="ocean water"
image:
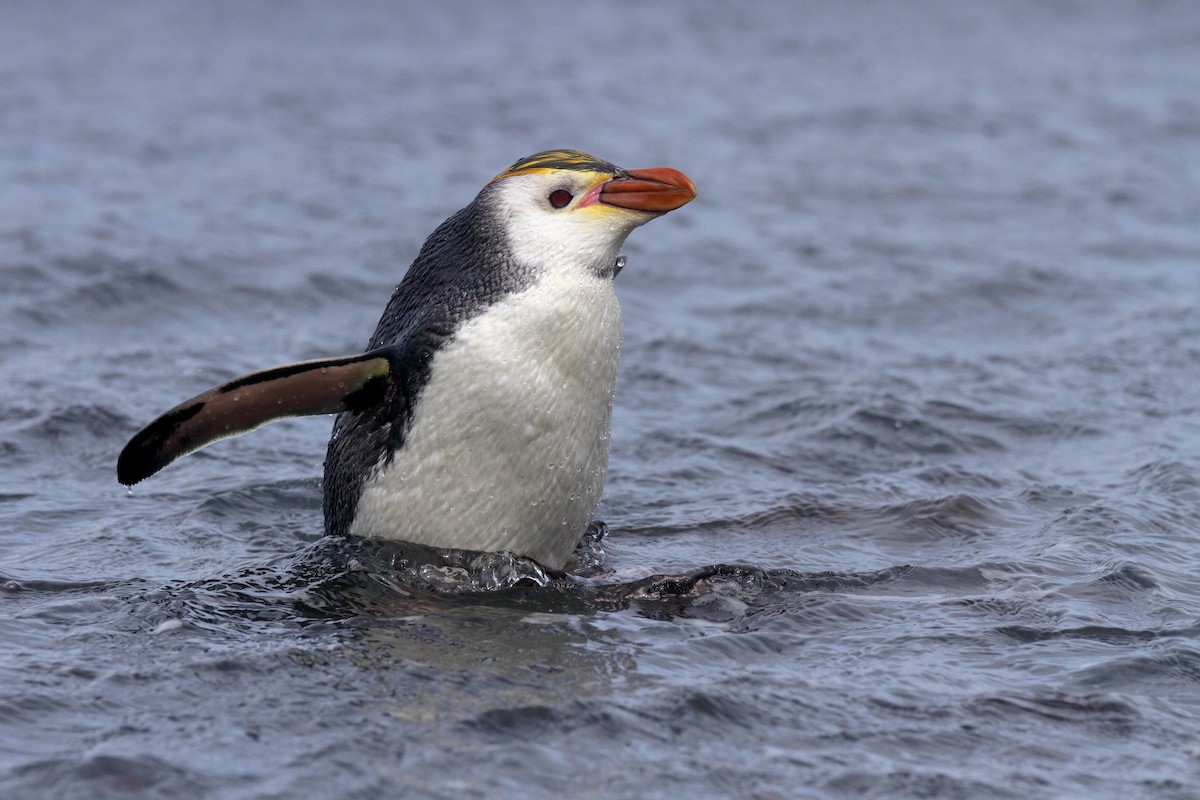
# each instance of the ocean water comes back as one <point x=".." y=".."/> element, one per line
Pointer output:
<point x="904" y="498"/>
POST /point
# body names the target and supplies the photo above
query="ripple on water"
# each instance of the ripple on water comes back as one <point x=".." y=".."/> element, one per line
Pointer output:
<point x="101" y="287"/>
<point x="960" y="517"/>
<point x="1174" y="671"/>
<point x="109" y="776"/>
<point x="73" y="423"/>
<point x="1096" y="710"/>
<point x="1106" y="634"/>
<point x="1172" y="478"/>
<point x="341" y="579"/>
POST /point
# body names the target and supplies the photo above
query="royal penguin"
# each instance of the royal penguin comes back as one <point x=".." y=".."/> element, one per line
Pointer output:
<point x="479" y="416"/>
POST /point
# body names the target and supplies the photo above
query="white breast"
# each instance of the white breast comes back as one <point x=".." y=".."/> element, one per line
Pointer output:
<point x="508" y="447"/>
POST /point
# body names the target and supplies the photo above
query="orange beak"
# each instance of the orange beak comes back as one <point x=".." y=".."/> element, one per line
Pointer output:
<point x="656" y="190"/>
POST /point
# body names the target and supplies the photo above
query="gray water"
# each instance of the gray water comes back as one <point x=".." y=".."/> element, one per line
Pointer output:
<point x="905" y="482"/>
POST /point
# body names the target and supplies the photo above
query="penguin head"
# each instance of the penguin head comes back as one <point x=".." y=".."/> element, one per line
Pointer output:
<point x="567" y="207"/>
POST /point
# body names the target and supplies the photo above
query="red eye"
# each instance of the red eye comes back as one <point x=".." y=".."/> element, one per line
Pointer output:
<point x="560" y="197"/>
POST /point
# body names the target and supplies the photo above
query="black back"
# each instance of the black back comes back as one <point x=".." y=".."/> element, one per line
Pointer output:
<point x="463" y="267"/>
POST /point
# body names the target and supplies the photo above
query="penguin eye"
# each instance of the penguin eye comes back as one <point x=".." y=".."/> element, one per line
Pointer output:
<point x="560" y="197"/>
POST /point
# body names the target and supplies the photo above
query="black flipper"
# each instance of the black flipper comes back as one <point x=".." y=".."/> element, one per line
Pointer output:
<point x="323" y="386"/>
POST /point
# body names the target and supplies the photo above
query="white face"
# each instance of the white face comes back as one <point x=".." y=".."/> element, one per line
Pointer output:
<point x="555" y="220"/>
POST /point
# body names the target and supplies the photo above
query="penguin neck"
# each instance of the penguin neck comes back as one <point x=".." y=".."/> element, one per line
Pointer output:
<point x="464" y="266"/>
<point x="592" y="253"/>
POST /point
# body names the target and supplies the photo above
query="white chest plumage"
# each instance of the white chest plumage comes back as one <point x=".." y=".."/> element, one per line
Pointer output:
<point x="508" y="446"/>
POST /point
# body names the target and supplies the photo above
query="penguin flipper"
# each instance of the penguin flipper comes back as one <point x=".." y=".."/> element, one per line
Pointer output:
<point x="322" y="386"/>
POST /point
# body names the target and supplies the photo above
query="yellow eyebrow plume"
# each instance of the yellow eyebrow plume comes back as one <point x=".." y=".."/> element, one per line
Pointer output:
<point x="549" y="160"/>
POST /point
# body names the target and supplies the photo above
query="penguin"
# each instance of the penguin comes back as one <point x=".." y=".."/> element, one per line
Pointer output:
<point x="478" y="418"/>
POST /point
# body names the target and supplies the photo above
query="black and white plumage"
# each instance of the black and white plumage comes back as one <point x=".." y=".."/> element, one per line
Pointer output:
<point x="479" y="417"/>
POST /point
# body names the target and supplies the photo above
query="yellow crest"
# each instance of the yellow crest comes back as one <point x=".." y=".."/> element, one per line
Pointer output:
<point x="557" y="159"/>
